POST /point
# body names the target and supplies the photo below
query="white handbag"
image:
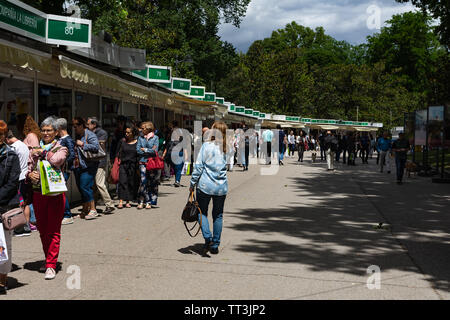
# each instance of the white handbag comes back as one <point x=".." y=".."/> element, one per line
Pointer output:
<point x="3" y="246"/>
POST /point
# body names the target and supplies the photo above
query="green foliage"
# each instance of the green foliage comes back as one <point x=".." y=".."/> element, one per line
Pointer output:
<point x="300" y="71"/>
<point x="439" y="10"/>
<point x="172" y="30"/>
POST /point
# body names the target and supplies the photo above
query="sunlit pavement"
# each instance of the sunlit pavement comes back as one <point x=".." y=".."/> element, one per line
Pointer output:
<point x="303" y="233"/>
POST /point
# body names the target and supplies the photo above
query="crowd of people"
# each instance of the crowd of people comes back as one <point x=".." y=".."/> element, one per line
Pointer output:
<point x="85" y="157"/>
<point x="132" y="146"/>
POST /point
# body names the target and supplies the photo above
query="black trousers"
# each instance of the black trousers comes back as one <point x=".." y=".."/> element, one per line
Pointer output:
<point x="365" y="154"/>
<point x="301" y="152"/>
<point x="247" y="152"/>
<point x="128" y="181"/>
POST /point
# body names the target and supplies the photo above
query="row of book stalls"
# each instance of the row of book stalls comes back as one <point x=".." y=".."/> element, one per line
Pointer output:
<point x="60" y="68"/>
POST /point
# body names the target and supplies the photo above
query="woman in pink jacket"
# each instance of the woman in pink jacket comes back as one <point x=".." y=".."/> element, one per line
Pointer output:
<point x="49" y="209"/>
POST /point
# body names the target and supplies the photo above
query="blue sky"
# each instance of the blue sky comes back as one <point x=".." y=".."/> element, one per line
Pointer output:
<point x="342" y="19"/>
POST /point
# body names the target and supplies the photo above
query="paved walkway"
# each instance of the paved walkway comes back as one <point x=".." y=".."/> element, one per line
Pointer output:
<point x="304" y="233"/>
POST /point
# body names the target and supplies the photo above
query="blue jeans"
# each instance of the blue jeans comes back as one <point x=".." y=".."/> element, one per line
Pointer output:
<point x="282" y="151"/>
<point x="203" y="200"/>
<point x="85" y="182"/>
<point x="178" y="168"/>
<point x="400" y="164"/>
<point x="67" y="213"/>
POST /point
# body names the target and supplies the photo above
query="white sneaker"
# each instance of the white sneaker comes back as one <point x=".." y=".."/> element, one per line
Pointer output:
<point x="67" y="221"/>
<point x="50" y="274"/>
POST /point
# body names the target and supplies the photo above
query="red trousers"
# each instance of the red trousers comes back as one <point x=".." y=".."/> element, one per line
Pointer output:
<point x="49" y="211"/>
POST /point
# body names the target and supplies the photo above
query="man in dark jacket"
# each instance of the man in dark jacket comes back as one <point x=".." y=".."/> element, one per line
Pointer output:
<point x="100" y="177"/>
<point x="66" y="141"/>
<point x="9" y="195"/>
<point x="322" y="146"/>
<point x="400" y="147"/>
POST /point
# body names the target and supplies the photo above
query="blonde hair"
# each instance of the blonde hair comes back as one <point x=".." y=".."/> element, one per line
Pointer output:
<point x="148" y="125"/>
<point x="222" y="127"/>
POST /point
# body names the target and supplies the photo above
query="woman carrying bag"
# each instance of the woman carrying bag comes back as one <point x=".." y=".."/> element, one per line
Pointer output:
<point x="127" y="154"/>
<point x="9" y="196"/>
<point x="49" y="209"/>
<point x="146" y="147"/>
<point x="210" y="178"/>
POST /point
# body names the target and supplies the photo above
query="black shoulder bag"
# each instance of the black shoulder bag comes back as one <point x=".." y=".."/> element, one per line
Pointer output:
<point x="191" y="213"/>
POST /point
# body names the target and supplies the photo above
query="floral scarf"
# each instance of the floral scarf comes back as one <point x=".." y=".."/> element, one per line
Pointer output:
<point x="47" y="147"/>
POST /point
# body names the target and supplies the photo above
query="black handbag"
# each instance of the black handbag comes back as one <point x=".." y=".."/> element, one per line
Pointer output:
<point x="191" y="213"/>
<point x="93" y="156"/>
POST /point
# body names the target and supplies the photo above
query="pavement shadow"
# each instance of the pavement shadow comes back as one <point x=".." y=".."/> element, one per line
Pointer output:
<point x="196" y="249"/>
<point x="338" y="232"/>
<point x="36" y="265"/>
<point x="13" y="283"/>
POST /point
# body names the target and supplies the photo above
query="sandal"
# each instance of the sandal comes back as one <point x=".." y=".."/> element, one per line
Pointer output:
<point x="120" y="206"/>
<point x="148" y="206"/>
<point x="128" y="205"/>
<point x="140" y="206"/>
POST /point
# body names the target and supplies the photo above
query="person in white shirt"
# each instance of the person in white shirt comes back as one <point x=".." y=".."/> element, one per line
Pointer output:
<point x="22" y="151"/>
<point x="291" y="143"/>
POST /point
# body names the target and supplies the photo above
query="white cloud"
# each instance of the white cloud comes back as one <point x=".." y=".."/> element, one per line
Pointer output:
<point x="342" y="19"/>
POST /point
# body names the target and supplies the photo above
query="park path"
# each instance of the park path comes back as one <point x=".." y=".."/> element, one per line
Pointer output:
<point x="303" y="233"/>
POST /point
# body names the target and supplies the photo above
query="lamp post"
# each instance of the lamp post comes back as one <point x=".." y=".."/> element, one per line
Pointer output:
<point x="187" y="59"/>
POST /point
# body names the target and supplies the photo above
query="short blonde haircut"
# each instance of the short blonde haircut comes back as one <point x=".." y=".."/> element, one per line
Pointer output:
<point x="148" y="125"/>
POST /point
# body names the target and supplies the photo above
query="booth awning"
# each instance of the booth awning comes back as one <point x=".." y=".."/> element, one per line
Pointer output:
<point x="88" y="75"/>
<point x="17" y="55"/>
<point x="366" y="129"/>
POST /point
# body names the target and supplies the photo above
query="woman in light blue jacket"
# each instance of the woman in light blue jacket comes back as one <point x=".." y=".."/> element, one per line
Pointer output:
<point x="146" y="147"/>
<point x="210" y="178"/>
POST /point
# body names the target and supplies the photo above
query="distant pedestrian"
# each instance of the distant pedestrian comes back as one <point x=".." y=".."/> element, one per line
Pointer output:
<point x="364" y="144"/>
<point x="384" y="148"/>
<point x="100" y="177"/>
<point x="301" y="143"/>
<point x="83" y="169"/>
<point x="331" y="145"/>
<point x="400" y="147"/>
<point x="267" y="138"/>
<point x="291" y="143"/>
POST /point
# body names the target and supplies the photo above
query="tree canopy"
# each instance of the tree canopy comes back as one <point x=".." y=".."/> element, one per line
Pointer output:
<point x="300" y="71"/>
